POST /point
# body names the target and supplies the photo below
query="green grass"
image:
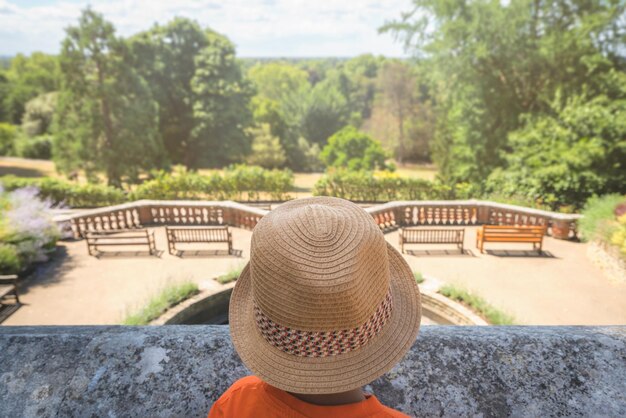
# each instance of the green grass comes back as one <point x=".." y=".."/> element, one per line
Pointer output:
<point x="171" y="295"/>
<point x="598" y="221"/>
<point x="230" y="276"/>
<point x="426" y="172"/>
<point x="24" y="167"/>
<point x="419" y="278"/>
<point x="493" y="315"/>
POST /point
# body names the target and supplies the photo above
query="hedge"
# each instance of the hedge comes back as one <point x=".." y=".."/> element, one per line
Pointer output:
<point x="384" y="186"/>
<point x="244" y="183"/>
<point x="63" y="192"/>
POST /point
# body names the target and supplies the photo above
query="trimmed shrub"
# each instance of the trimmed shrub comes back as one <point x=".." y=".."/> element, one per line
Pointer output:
<point x="239" y="182"/>
<point x="385" y="186"/>
<point x="62" y="192"/>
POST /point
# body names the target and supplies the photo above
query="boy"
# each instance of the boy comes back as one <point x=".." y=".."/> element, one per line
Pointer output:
<point x="324" y="307"/>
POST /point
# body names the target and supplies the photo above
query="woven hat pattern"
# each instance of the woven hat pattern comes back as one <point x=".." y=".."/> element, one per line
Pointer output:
<point x="318" y="267"/>
<point x="325" y="303"/>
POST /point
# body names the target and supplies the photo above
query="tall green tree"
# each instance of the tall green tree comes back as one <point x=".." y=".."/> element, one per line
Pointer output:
<point x="106" y="119"/>
<point x="491" y="61"/>
<point x="397" y="86"/>
<point x="221" y="107"/>
<point x="165" y="56"/>
<point x="325" y="112"/>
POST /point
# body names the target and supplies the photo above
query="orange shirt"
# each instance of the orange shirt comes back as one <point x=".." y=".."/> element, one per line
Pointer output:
<point x="252" y="397"/>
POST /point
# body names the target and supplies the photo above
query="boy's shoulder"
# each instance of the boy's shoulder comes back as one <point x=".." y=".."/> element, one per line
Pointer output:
<point x="245" y="397"/>
<point x="242" y="385"/>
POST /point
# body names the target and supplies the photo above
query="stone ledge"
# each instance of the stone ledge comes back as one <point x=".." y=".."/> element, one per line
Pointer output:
<point x="181" y="370"/>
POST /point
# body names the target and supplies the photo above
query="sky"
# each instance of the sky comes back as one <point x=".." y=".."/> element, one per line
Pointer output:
<point x="259" y="28"/>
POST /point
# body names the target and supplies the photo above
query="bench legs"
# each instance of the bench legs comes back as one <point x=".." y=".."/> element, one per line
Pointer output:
<point x="151" y="243"/>
<point x="480" y="244"/>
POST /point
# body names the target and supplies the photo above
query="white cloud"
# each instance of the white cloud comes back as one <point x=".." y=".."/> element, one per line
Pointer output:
<point x="258" y="27"/>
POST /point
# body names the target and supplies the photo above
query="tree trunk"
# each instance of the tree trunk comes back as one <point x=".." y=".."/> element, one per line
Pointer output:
<point x="112" y="177"/>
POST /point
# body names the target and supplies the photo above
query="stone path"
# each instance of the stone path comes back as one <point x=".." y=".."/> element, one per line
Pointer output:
<point x="562" y="288"/>
<point x="78" y="289"/>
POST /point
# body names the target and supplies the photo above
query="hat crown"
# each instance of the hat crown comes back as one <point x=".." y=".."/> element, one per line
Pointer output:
<point x="318" y="264"/>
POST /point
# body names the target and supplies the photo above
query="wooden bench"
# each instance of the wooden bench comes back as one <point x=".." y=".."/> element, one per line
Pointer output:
<point x="8" y="293"/>
<point x="432" y="236"/>
<point x="123" y="237"/>
<point x="8" y="288"/>
<point x="506" y="233"/>
<point x="197" y="235"/>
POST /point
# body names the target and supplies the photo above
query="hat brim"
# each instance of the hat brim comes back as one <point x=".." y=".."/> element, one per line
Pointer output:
<point x="337" y="373"/>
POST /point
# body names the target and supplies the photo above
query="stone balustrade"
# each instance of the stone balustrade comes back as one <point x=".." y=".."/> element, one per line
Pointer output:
<point x="470" y="212"/>
<point x="388" y="216"/>
<point x="176" y="371"/>
<point x="164" y="212"/>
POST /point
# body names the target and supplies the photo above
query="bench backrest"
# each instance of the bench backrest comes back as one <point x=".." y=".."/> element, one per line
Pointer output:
<point x="121" y="233"/>
<point x="208" y="234"/>
<point x="502" y="230"/>
<point x="432" y="236"/>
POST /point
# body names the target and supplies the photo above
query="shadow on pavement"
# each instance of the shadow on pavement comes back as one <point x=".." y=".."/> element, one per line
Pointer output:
<point x="440" y="253"/>
<point x="521" y="253"/>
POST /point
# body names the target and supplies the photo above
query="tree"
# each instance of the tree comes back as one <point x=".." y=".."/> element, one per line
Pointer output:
<point x="221" y="107"/>
<point x="165" y="56"/>
<point x="38" y="114"/>
<point x="491" y="62"/>
<point x="279" y="81"/>
<point x="565" y="158"/>
<point x="106" y="118"/>
<point x="8" y="134"/>
<point x="28" y="77"/>
<point x="5" y="89"/>
<point x="353" y="150"/>
<point x="397" y="87"/>
<point x="359" y="83"/>
<point x="325" y="111"/>
<point x="266" y="149"/>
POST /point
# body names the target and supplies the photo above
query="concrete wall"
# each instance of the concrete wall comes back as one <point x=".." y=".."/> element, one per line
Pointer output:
<point x="180" y="370"/>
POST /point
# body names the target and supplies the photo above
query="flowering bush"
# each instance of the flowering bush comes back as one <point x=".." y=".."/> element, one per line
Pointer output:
<point x="618" y="238"/>
<point x="27" y="231"/>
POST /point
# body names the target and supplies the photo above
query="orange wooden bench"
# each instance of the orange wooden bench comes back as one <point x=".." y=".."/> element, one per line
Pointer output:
<point x="508" y="233"/>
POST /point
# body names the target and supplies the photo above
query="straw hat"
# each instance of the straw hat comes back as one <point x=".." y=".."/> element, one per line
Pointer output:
<point x="325" y="305"/>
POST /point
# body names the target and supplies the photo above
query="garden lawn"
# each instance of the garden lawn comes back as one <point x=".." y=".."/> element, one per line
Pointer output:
<point x="24" y="167"/>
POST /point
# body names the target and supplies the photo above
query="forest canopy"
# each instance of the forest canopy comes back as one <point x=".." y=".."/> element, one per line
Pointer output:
<point x="520" y="99"/>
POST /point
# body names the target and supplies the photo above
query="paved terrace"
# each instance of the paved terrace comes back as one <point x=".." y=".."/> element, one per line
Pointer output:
<point x="562" y="287"/>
